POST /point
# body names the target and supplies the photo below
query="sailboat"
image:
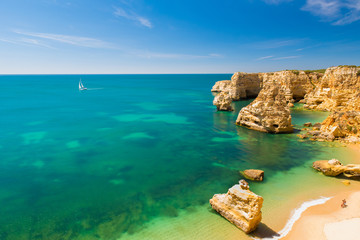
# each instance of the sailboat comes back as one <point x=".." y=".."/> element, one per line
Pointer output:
<point x="81" y="86"/>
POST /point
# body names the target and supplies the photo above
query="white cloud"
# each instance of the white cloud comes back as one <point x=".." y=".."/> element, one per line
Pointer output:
<point x="26" y="42"/>
<point x="67" y="39"/>
<point x="34" y="42"/>
<point x="275" y="43"/>
<point x="131" y="15"/>
<point x="288" y="57"/>
<point x="147" y="54"/>
<point x="338" y="12"/>
<point x="266" y="57"/>
<point x="276" y="1"/>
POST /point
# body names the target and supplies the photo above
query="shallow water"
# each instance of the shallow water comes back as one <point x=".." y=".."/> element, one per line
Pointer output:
<point x="130" y="151"/>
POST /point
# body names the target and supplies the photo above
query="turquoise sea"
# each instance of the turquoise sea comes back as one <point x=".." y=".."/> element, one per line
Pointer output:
<point x="106" y="162"/>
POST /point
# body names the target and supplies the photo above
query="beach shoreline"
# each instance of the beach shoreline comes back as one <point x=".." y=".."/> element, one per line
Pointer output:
<point x="329" y="220"/>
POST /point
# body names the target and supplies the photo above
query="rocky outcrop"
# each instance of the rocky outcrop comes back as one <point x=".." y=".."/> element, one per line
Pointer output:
<point x="222" y="101"/>
<point x="334" y="167"/>
<point x="336" y="90"/>
<point x="221" y="86"/>
<point x="245" y="85"/>
<point x="295" y="83"/>
<point x="341" y="126"/>
<point x="240" y="206"/>
<point x="339" y="92"/>
<point x="248" y="85"/>
<point x="253" y="174"/>
<point x="241" y="86"/>
<point x="269" y="112"/>
<point x="308" y="124"/>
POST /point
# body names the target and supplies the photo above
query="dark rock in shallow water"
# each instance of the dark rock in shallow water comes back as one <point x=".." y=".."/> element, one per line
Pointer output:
<point x="308" y="124"/>
<point x="253" y="174"/>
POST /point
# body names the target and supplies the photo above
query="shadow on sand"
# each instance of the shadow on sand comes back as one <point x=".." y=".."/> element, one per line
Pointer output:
<point x="263" y="231"/>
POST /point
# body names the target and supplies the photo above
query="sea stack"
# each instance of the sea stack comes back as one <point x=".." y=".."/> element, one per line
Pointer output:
<point x="222" y="101"/>
<point x="269" y="112"/>
<point x="240" y="206"/>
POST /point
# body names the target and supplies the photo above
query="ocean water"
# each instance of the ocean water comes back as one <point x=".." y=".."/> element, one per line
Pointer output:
<point x="107" y="162"/>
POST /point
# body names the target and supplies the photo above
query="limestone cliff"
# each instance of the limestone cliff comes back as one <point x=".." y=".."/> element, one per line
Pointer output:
<point x="336" y="90"/>
<point x="269" y="112"/>
<point x="340" y="126"/>
<point x="245" y="85"/>
<point x="295" y="83"/>
<point x="222" y="101"/>
<point x="248" y="85"/>
<point x="221" y="86"/>
<point x="241" y="85"/>
<point x="240" y="206"/>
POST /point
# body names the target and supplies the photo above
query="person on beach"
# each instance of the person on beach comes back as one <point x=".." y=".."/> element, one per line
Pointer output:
<point x="343" y="205"/>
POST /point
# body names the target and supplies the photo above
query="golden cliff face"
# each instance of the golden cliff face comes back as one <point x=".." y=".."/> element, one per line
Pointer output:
<point x="269" y="112"/>
<point x="296" y="85"/>
<point x="337" y="89"/>
<point x="339" y="92"/>
<point x="221" y="86"/>
<point x="245" y="85"/>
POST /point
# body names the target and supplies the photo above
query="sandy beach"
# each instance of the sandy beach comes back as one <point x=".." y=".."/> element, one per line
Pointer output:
<point x="329" y="220"/>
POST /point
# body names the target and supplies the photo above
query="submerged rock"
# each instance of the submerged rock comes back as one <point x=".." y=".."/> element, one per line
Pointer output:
<point x="346" y="182"/>
<point x="253" y="174"/>
<point x="240" y="206"/>
<point x="302" y="136"/>
<point x="269" y="112"/>
<point x="308" y="124"/>
<point x="334" y="167"/>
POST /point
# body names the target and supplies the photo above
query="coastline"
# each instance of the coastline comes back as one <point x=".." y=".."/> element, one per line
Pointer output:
<point x="280" y="207"/>
<point x="329" y="220"/>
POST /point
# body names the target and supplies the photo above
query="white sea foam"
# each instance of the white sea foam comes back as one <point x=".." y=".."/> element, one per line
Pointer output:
<point x="296" y="215"/>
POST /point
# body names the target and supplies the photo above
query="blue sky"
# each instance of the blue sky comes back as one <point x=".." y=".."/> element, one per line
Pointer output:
<point x="176" y="36"/>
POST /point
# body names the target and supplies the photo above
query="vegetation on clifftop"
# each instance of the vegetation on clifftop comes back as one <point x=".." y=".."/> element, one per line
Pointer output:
<point x="317" y="70"/>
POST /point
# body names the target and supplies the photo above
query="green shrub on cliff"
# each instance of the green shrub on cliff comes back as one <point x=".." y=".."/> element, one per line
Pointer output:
<point x="318" y="71"/>
<point x="347" y="66"/>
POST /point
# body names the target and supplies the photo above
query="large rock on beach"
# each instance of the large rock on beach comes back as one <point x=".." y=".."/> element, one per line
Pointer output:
<point x="331" y="167"/>
<point x="269" y="112"/>
<point x="334" y="167"/>
<point x="240" y="206"/>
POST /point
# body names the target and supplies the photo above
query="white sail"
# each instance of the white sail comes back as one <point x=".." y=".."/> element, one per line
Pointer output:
<point x="81" y="86"/>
